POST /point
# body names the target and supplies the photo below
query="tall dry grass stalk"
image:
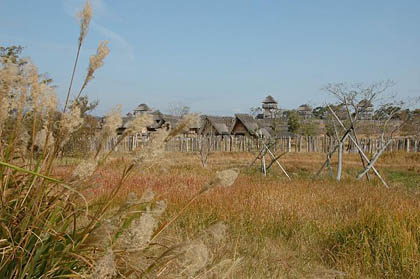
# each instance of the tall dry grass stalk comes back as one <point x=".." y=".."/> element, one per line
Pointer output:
<point x="84" y="17"/>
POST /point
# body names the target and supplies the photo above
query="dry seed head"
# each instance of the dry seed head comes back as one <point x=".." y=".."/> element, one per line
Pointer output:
<point x="105" y="268"/>
<point x="132" y="198"/>
<point x="159" y="208"/>
<point x="19" y="102"/>
<point x="85" y="169"/>
<point x="147" y="196"/>
<point x="218" y="231"/>
<point x="224" y="178"/>
<point x="196" y="257"/>
<point x="154" y="148"/>
<point x="22" y="140"/>
<point x="41" y="138"/>
<point x="96" y="61"/>
<point x="71" y="122"/>
<point x="72" y="119"/>
<point x="48" y="99"/>
<point x="140" y="231"/>
<point x="4" y="109"/>
<point x="112" y="121"/>
<point x="139" y="123"/>
<point x="33" y="80"/>
<point x="8" y="73"/>
<point x="84" y="16"/>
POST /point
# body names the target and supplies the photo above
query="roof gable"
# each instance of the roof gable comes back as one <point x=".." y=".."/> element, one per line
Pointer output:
<point x="247" y="121"/>
<point x="222" y="124"/>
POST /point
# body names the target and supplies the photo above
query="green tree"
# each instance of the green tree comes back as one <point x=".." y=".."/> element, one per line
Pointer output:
<point x="308" y="128"/>
<point x="320" y="112"/>
<point x="293" y="122"/>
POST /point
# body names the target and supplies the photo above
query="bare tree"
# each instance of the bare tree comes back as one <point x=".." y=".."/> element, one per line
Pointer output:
<point x="178" y="109"/>
<point x="254" y="111"/>
<point x="357" y="100"/>
<point x="204" y="149"/>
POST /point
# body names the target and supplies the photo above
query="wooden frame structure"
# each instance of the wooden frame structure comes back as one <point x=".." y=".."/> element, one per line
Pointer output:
<point x="265" y="151"/>
<point x="351" y="133"/>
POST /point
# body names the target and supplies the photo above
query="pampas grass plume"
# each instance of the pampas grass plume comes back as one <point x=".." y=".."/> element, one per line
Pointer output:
<point x="84" y="16"/>
<point x="113" y="120"/>
<point x="96" y="61"/>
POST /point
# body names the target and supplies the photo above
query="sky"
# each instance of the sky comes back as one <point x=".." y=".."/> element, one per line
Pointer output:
<point x="222" y="56"/>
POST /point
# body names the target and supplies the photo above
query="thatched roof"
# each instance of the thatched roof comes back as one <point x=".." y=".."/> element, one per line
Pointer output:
<point x="222" y="124"/>
<point x="171" y="119"/>
<point x="365" y="103"/>
<point x="269" y="99"/>
<point x="157" y="120"/>
<point x="142" y="107"/>
<point x="305" y="107"/>
<point x="265" y="122"/>
<point x="275" y="127"/>
<point x="248" y="121"/>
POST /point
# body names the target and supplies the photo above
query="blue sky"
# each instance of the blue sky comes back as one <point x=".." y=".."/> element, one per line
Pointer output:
<point x="221" y="57"/>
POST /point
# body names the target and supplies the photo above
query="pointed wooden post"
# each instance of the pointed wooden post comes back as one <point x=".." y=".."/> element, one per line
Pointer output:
<point x="263" y="165"/>
<point x="340" y="160"/>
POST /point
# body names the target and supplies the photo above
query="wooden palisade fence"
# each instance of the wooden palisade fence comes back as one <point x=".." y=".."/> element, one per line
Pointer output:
<point x="321" y="144"/>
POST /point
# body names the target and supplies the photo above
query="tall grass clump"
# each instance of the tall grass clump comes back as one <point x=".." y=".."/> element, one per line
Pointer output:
<point x="48" y="226"/>
<point x="45" y="221"/>
<point x="377" y="243"/>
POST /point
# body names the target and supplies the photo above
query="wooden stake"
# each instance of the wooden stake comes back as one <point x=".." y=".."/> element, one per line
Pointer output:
<point x="361" y="151"/>
<point x="332" y="152"/>
<point x="274" y="158"/>
<point x="340" y="160"/>
<point x="263" y="163"/>
<point x="372" y="162"/>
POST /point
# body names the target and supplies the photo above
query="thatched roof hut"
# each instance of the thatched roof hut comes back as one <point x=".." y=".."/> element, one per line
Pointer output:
<point x="216" y="125"/>
<point x="365" y="104"/>
<point x="366" y="109"/>
<point x="142" y="108"/>
<point x="171" y="120"/>
<point x="305" y="111"/>
<point x="244" y="125"/>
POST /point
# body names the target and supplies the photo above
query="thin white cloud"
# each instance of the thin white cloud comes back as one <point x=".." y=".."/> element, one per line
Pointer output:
<point x="116" y="38"/>
<point x="101" y="10"/>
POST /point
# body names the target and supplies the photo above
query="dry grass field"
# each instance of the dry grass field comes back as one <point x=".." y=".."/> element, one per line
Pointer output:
<point x="304" y="228"/>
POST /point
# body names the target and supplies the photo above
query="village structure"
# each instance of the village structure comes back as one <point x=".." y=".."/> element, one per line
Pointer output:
<point x="313" y="132"/>
<point x="270" y="121"/>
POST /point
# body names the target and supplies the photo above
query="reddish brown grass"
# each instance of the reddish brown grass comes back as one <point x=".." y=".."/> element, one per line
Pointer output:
<point x="352" y="228"/>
